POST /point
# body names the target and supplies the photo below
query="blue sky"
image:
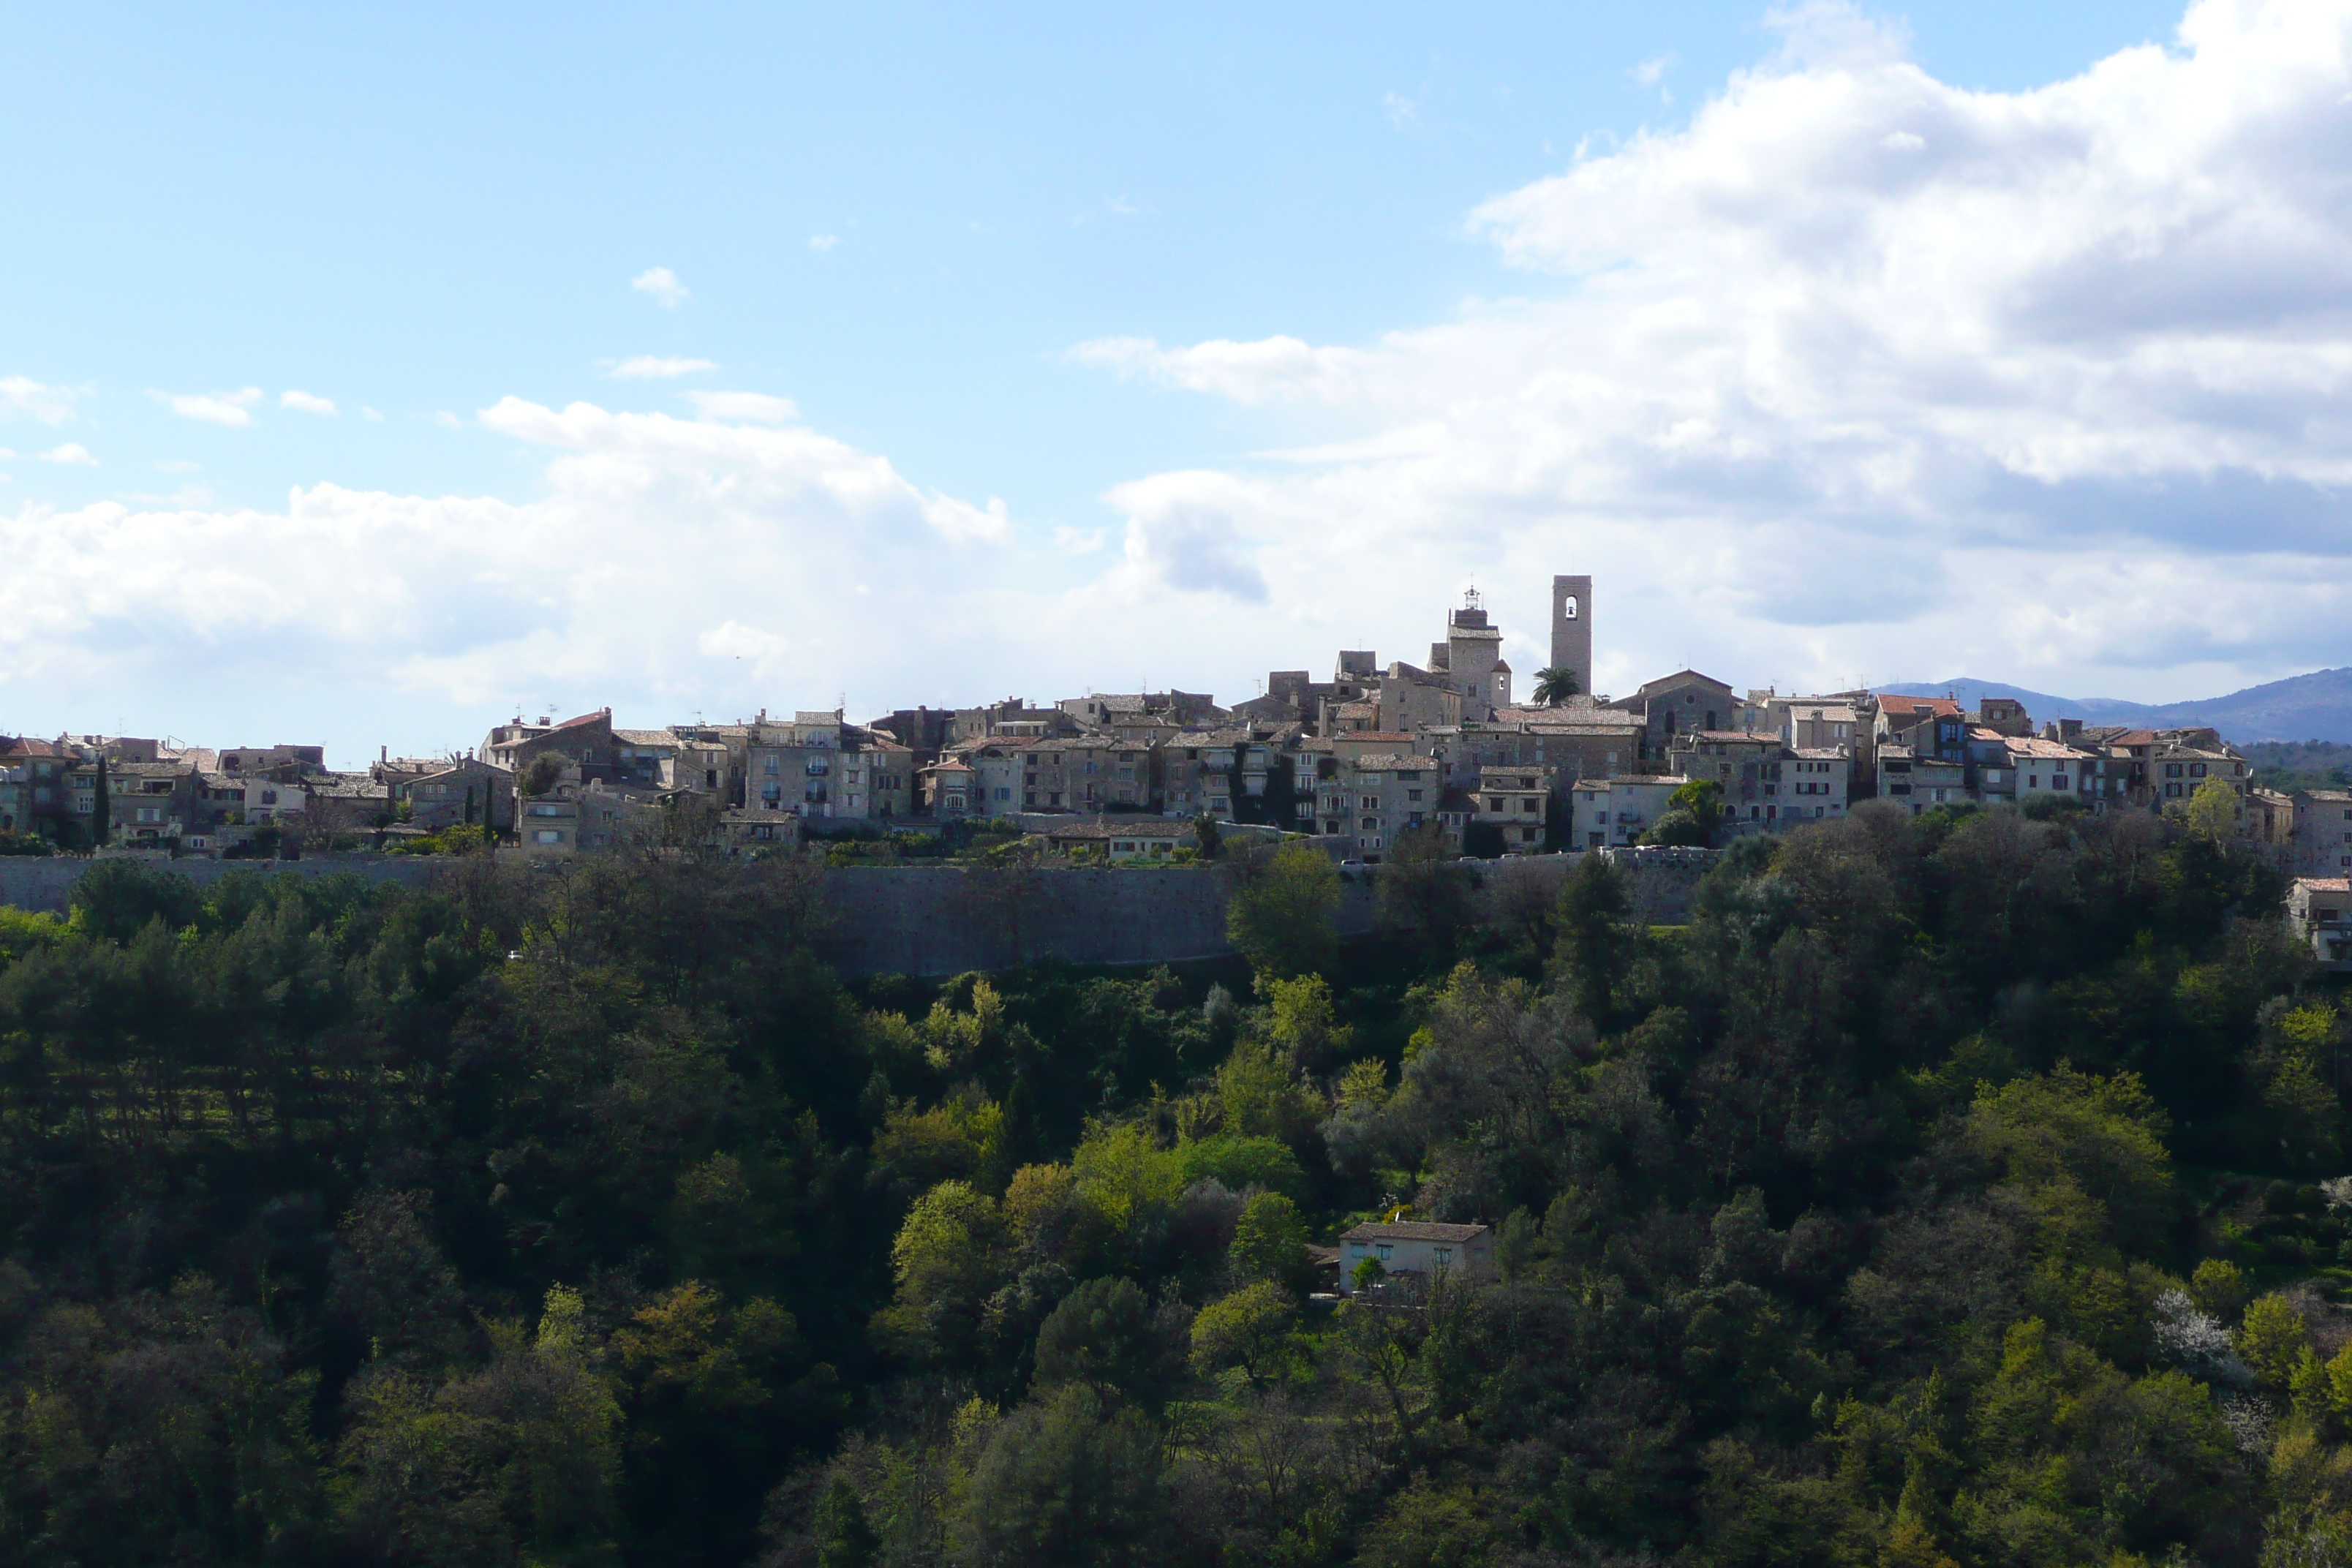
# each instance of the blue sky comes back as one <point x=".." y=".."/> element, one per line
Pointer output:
<point x="909" y="224"/>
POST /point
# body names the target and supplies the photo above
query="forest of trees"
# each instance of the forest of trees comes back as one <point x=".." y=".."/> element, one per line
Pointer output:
<point x="1950" y="1192"/>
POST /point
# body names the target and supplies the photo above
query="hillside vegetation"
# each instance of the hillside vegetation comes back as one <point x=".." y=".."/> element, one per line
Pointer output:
<point x="1949" y="1191"/>
<point x="2288" y="765"/>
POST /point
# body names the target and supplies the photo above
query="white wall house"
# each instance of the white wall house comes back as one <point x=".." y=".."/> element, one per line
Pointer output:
<point x="1464" y="1251"/>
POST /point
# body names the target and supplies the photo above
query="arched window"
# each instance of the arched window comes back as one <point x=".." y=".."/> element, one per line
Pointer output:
<point x="1568" y="609"/>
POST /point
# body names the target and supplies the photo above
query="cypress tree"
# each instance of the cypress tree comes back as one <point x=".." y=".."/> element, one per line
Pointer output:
<point x="101" y="811"/>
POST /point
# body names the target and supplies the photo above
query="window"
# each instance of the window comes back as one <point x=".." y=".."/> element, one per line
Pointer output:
<point x="547" y="836"/>
<point x="1356" y="1250"/>
<point x="270" y="797"/>
<point x="1444" y="1255"/>
<point x="1385" y="1250"/>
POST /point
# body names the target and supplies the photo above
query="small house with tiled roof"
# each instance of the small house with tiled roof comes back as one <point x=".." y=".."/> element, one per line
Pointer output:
<point x="1418" y="1248"/>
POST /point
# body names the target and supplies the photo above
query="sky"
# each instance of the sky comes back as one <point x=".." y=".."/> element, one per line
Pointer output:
<point x="369" y="376"/>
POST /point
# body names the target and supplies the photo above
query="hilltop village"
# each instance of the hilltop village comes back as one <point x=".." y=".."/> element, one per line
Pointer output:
<point x="1379" y="751"/>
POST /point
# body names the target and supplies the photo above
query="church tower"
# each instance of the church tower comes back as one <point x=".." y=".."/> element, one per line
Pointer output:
<point x="1572" y="628"/>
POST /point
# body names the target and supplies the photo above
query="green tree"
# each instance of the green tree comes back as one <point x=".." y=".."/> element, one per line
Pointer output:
<point x="1106" y="1335"/>
<point x="115" y="899"/>
<point x="1693" y="818"/>
<point x="1270" y="1243"/>
<point x="1255" y="1328"/>
<point x="949" y="1256"/>
<point x="1593" y="936"/>
<point x="1555" y="684"/>
<point x="2273" y="1340"/>
<point x="1282" y="915"/>
<point x="2211" y="813"/>
<point x="1206" y="836"/>
<point x="844" y="1538"/>
<point x="2088" y="1152"/>
<point x="1303" y="1020"/>
<point x="2219" y="1287"/>
<point x="1072" y="1482"/>
<point x="101" y="810"/>
<point x="1422" y="888"/>
<point x="542" y="774"/>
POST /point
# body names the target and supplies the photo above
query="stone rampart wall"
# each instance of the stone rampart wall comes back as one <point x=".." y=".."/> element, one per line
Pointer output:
<point x="33" y="883"/>
<point x="944" y="920"/>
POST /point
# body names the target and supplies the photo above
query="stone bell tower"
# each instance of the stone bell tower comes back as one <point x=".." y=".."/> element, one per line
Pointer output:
<point x="1572" y="628"/>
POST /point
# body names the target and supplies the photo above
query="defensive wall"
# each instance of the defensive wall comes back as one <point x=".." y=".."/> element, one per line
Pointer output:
<point x="944" y="920"/>
<point x="33" y="883"/>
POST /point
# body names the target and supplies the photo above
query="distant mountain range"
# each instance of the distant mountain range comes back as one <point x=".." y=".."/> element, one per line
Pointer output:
<point x="2315" y="707"/>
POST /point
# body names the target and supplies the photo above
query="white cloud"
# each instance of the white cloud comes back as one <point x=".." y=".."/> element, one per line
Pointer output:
<point x="656" y="367"/>
<point x="757" y="407"/>
<point x="761" y="649"/>
<point x="215" y="407"/>
<point x="71" y="455"/>
<point x="1649" y="73"/>
<point x="33" y="400"/>
<point x="665" y="565"/>
<point x="1402" y="110"/>
<point x="1857" y="371"/>
<point x="308" y="402"/>
<point x="1268" y="371"/>
<point x="371" y="414"/>
<point x="662" y="284"/>
<point x="824" y="242"/>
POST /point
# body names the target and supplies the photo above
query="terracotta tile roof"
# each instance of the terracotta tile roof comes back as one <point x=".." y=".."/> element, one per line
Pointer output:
<point x="1413" y="1230"/>
<point x="2027" y="748"/>
<point x="1944" y="707"/>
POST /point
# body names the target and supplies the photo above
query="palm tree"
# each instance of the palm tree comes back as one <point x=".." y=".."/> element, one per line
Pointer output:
<point x="1555" y="684"/>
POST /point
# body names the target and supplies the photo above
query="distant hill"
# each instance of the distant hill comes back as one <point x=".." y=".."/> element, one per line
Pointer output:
<point x="2315" y="707"/>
